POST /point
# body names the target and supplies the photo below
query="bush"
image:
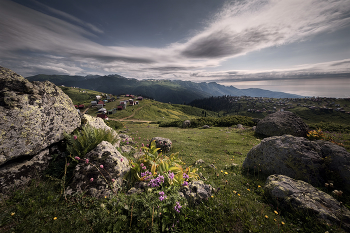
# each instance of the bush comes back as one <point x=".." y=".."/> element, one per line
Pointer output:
<point x="80" y="142"/>
<point x="115" y="124"/>
<point x="331" y="127"/>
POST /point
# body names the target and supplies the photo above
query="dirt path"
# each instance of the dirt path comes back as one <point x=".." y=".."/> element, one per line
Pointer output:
<point x="85" y="111"/>
<point x="133" y="114"/>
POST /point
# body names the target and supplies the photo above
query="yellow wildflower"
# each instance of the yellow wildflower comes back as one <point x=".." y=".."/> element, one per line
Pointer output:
<point x="248" y="189"/>
<point x="259" y="186"/>
<point x="212" y="196"/>
<point x="12" y="213"/>
<point x="239" y="194"/>
<point x="282" y="223"/>
<point x="234" y="191"/>
<point x="275" y="212"/>
<point x="226" y="173"/>
<point x="266" y="216"/>
<point x="54" y="218"/>
<point x="274" y="220"/>
<point x="221" y="171"/>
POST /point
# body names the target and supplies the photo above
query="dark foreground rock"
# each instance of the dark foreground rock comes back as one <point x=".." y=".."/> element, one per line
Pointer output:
<point x="300" y="158"/>
<point x="98" y="181"/>
<point x="280" y="123"/>
<point x="163" y="143"/>
<point x="296" y="195"/>
<point x="196" y="191"/>
<point x="33" y="116"/>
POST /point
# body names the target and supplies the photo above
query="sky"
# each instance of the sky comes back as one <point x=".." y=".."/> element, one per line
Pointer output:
<point x="244" y="43"/>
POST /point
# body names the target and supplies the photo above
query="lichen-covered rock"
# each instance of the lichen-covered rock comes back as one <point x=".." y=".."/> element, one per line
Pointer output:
<point x="197" y="191"/>
<point x="96" y="181"/>
<point x="186" y="124"/>
<point x="126" y="138"/>
<point x="127" y="149"/>
<point x="198" y="162"/>
<point x="33" y="116"/>
<point x="239" y="126"/>
<point x="300" y="158"/>
<point x="295" y="157"/>
<point x="99" y="123"/>
<point x="205" y="127"/>
<point x="17" y="175"/>
<point x="302" y="196"/>
<point x="280" y="123"/>
<point x="163" y="143"/>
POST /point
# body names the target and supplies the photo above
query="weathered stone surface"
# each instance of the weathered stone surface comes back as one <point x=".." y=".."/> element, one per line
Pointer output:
<point x="280" y="123"/>
<point x="197" y="191"/>
<point x="205" y="127"/>
<point x="295" y="157"/>
<point x="99" y="123"/>
<point x="163" y="143"/>
<point x="127" y="149"/>
<point x="115" y="166"/>
<point x="198" y="162"/>
<point x="239" y="126"/>
<point x="33" y="116"/>
<point x="186" y="124"/>
<point x="18" y="175"/>
<point x="300" y="158"/>
<point x="302" y="196"/>
<point x="126" y="138"/>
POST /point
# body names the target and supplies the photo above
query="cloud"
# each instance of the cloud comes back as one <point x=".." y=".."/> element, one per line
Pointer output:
<point x="33" y="41"/>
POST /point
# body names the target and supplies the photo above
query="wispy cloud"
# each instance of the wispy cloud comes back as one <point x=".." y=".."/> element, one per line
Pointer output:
<point x="39" y="42"/>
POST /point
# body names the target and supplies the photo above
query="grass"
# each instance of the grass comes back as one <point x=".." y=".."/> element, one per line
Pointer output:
<point x="239" y="206"/>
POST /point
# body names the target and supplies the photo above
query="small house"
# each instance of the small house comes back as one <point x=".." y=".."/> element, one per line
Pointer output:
<point x="139" y="98"/>
<point x="131" y="101"/>
<point x="103" y="116"/>
<point x="120" y="107"/>
<point x="101" y="102"/>
<point x="81" y="106"/>
<point x="99" y="106"/>
<point x="76" y="106"/>
<point x="112" y="111"/>
<point x="136" y="102"/>
<point x="98" y="97"/>
<point x="93" y="103"/>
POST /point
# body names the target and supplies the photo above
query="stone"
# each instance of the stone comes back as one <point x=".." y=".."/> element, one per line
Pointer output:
<point x="198" y="162"/>
<point x="138" y="154"/>
<point x="197" y="191"/>
<point x="300" y="158"/>
<point x="205" y="127"/>
<point x="280" y="123"/>
<point x="186" y="124"/>
<point x="127" y="149"/>
<point x="163" y="143"/>
<point x="126" y="138"/>
<point x="18" y="175"/>
<point x="115" y="166"/>
<point x="212" y="166"/>
<point x="33" y="116"/>
<point x="239" y="126"/>
<point x="297" y="195"/>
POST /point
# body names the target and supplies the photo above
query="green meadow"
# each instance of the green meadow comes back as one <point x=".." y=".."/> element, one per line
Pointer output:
<point x="238" y="205"/>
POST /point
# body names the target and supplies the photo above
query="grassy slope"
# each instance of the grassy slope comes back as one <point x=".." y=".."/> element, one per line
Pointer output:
<point x="239" y="206"/>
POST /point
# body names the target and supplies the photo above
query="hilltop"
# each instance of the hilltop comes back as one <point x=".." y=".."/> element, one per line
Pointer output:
<point x="165" y="91"/>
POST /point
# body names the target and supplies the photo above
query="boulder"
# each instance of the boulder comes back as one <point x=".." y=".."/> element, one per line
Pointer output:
<point x="127" y="149"/>
<point x="239" y="126"/>
<point x="297" y="195"/>
<point x="17" y="175"/>
<point x="186" y="124"/>
<point x="163" y="143"/>
<point x="295" y="157"/>
<point x="205" y="127"/>
<point x="96" y="181"/>
<point x="126" y="138"/>
<point x="280" y="123"/>
<point x="198" y="162"/>
<point x="197" y="191"/>
<point x="33" y="116"/>
<point x="300" y="158"/>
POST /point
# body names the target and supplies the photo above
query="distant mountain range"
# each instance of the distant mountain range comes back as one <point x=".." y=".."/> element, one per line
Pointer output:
<point x="179" y="92"/>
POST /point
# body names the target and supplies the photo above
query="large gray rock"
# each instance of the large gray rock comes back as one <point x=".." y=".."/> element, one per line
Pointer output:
<point x="280" y="123"/>
<point x="33" y="116"/>
<point x="115" y="166"/>
<point x="300" y="158"/>
<point x="17" y="175"/>
<point x="297" y="195"/>
<point x="197" y="191"/>
<point x="163" y="143"/>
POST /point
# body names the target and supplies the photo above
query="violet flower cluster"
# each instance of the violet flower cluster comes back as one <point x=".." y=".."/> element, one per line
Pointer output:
<point x="177" y="207"/>
<point x="156" y="182"/>
<point x="147" y="175"/>
<point x="185" y="176"/>
<point x="162" y="196"/>
<point x="171" y="175"/>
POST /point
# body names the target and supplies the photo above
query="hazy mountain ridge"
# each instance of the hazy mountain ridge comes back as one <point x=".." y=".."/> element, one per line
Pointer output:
<point x="162" y="90"/>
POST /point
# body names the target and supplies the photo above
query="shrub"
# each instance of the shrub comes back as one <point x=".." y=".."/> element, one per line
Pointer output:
<point x="83" y="140"/>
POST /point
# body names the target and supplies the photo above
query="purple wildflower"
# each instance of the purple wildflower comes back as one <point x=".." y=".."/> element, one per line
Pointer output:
<point x="177" y="207"/>
<point x="185" y="183"/>
<point x="77" y="158"/>
<point x="101" y="166"/>
<point x="75" y="137"/>
<point x="141" y="164"/>
<point x="171" y="175"/>
<point x="91" y="179"/>
<point x="185" y="176"/>
<point x="121" y="160"/>
<point x="87" y="161"/>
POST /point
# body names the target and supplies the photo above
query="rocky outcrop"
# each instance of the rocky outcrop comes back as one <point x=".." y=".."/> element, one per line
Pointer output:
<point x="17" y="175"/>
<point x="186" y="124"/>
<point x="163" y="143"/>
<point x="196" y="191"/>
<point x="300" y="158"/>
<point x="280" y="123"/>
<point x="99" y="181"/>
<point x="33" y="116"/>
<point x="297" y="195"/>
